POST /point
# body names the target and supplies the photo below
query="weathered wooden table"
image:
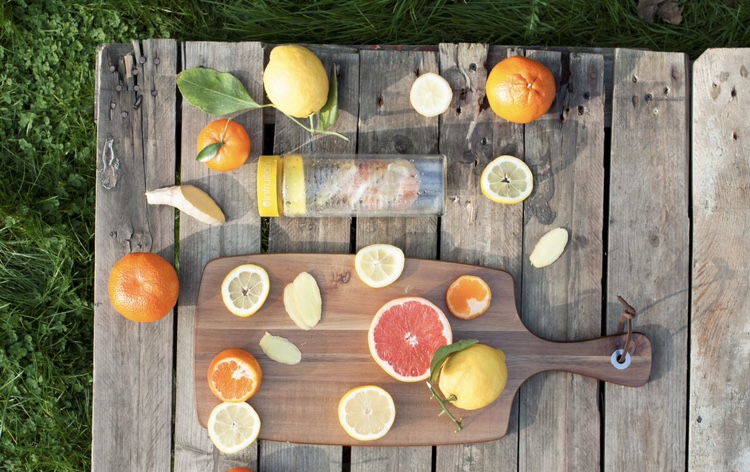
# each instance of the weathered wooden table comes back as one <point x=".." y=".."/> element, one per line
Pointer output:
<point x="643" y="158"/>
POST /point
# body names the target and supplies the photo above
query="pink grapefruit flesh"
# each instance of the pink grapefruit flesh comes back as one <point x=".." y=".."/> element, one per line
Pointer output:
<point x="404" y="336"/>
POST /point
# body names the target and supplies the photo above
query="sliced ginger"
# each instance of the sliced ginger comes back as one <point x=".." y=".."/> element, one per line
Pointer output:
<point x="280" y="349"/>
<point x="302" y="301"/>
<point x="189" y="200"/>
<point x="549" y="248"/>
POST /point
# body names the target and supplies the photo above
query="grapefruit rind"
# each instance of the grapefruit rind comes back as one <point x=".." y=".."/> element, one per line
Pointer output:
<point x="446" y="333"/>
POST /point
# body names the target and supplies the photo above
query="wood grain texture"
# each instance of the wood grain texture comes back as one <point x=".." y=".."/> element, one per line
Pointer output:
<point x="235" y="193"/>
<point x="315" y="234"/>
<point x="132" y="404"/>
<point x="649" y="255"/>
<point x="389" y="125"/>
<point x="301" y="401"/>
<point x="475" y="230"/>
<point x="565" y="150"/>
<point x="720" y="328"/>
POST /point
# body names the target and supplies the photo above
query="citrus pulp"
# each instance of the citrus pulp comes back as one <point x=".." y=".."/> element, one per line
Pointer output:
<point x="245" y="289"/>
<point x="379" y="265"/>
<point x="468" y="297"/>
<point x="367" y="413"/>
<point x="234" y="375"/>
<point x="507" y="179"/>
<point x="232" y="426"/>
<point x="404" y="335"/>
<point x="430" y="94"/>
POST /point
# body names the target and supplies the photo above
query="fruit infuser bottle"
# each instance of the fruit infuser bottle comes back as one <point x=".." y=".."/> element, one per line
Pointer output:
<point x="316" y="185"/>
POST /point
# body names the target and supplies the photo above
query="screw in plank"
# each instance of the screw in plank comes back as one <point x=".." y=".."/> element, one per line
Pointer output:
<point x="111" y="68"/>
<point x="118" y="87"/>
<point x="154" y="93"/>
<point x="124" y="114"/>
<point x="136" y="87"/>
<point x="157" y="61"/>
<point x="142" y="59"/>
<point x="135" y="71"/>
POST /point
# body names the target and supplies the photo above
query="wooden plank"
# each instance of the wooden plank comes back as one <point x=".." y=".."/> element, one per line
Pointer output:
<point x="235" y="193"/>
<point x="331" y="235"/>
<point x="132" y="407"/>
<point x="565" y="150"/>
<point x="649" y="256"/>
<point x="720" y="328"/>
<point x="475" y="230"/>
<point x="388" y="125"/>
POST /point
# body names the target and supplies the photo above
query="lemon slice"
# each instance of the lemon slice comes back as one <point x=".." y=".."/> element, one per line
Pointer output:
<point x="507" y="179"/>
<point x="430" y="94"/>
<point x="367" y="413"/>
<point x="245" y="289"/>
<point x="379" y="265"/>
<point x="232" y="426"/>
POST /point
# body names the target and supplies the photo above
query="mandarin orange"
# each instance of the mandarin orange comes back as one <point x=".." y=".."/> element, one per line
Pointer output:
<point x="520" y="89"/>
<point x="234" y="375"/>
<point x="234" y="144"/>
<point x="143" y="286"/>
<point x="240" y="469"/>
<point x="468" y="297"/>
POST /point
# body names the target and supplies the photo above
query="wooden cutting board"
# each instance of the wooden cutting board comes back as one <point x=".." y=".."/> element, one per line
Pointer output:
<point x="299" y="403"/>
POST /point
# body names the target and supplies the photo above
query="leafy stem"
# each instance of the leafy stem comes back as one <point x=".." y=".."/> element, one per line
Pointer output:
<point x="443" y="402"/>
<point x="312" y="130"/>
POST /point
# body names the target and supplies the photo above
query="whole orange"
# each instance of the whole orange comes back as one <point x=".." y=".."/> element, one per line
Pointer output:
<point x="234" y="375"/>
<point x="520" y="89"/>
<point x="240" y="469"/>
<point x="143" y="286"/>
<point x="234" y="144"/>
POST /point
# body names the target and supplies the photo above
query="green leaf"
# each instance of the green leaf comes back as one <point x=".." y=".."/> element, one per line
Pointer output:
<point x="444" y="352"/>
<point x="208" y="152"/>
<point x="216" y="93"/>
<point x="330" y="111"/>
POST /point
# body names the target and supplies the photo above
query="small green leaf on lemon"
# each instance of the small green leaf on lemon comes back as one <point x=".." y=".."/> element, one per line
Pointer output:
<point x="208" y="152"/>
<point x="216" y="93"/>
<point x="444" y="352"/>
<point x="330" y="111"/>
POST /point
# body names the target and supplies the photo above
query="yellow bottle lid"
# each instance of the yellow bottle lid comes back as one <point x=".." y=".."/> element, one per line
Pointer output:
<point x="269" y="185"/>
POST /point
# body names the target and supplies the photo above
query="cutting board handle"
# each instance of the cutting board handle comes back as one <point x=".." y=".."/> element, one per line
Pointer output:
<point x="596" y="358"/>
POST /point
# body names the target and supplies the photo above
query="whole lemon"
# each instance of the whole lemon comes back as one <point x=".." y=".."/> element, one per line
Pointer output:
<point x="295" y="81"/>
<point x="476" y="376"/>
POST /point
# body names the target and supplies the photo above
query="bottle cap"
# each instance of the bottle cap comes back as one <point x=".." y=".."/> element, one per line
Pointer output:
<point x="269" y="185"/>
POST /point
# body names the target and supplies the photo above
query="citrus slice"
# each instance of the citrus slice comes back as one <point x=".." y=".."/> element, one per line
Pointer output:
<point x="468" y="297"/>
<point x="379" y="265"/>
<point x="367" y="413"/>
<point x="404" y="335"/>
<point x="245" y="289"/>
<point x="430" y="94"/>
<point x="232" y="426"/>
<point x="507" y="179"/>
<point x="234" y="375"/>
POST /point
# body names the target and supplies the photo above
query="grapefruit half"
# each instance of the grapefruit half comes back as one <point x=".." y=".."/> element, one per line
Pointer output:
<point x="404" y="336"/>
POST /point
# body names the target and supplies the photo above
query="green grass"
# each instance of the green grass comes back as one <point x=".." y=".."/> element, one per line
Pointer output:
<point x="48" y="155"/>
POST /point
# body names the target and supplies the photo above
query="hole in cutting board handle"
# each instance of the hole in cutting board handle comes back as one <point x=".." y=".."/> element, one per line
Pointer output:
<point x="618" y="365"/>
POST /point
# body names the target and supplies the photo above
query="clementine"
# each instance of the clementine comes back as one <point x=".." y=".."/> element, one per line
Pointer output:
<point x="240" y="469"/>
<point x="229" y="145"/>
<point x="234" y="375"/>
<point x="143" y="286"/>
<point x="520" y="89"/>
<point x="468" y="297"/>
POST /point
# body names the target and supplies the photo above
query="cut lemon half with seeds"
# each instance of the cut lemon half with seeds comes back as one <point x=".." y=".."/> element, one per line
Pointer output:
<point x="507" y="179"/>
<point x="232" y="426"/>
<point x="245" y="289"/>
<point x="379" y="265"/>
<point x="430" y="94"/>
<point x="367" y="413"/>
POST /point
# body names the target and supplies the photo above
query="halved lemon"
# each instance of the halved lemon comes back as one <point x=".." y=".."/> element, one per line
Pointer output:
<point x="507" y="179"/>
<point x="245" y="289"/>
<point x="379" y="265"/>
<point x="232" y="426"/>
<point x="367" y="413"/>
<point x="430" y="94"/>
